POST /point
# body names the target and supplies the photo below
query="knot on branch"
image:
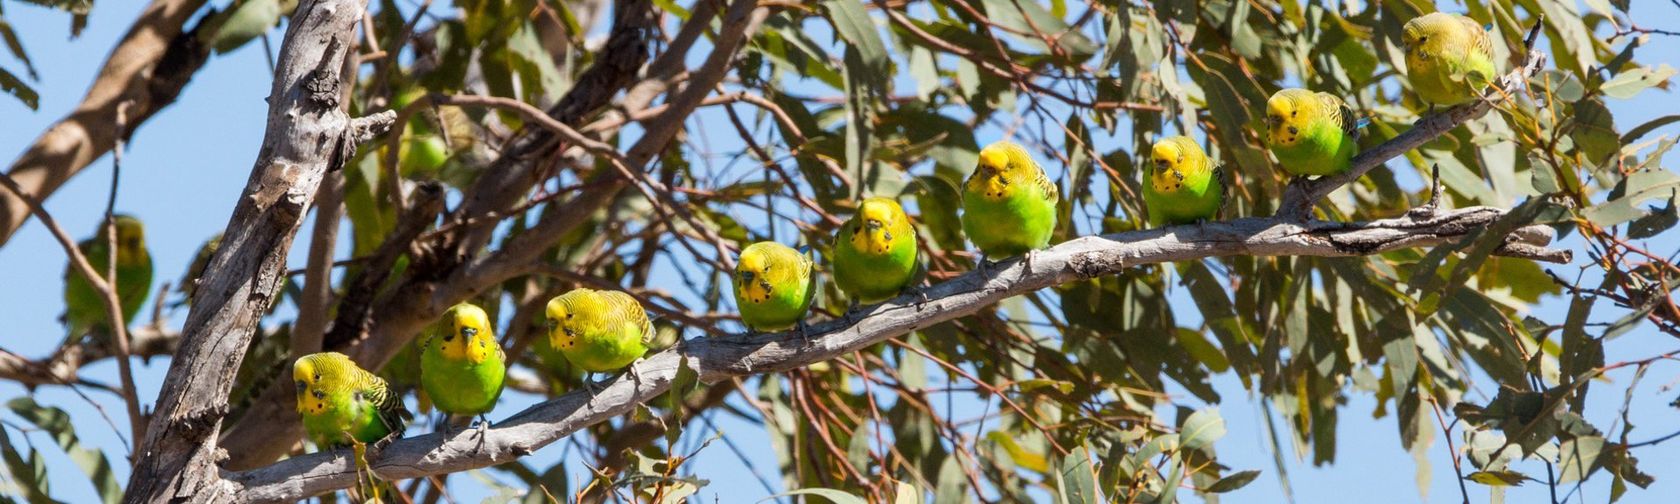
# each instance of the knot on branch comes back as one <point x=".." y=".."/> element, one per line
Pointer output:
<point x="1088" y="265"/>
<point x="322" y="87"/>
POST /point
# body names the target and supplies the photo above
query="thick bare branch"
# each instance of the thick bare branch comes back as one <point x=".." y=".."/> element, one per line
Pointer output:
<point x="148" y="68"/>
<point x="717" y="359"/>
<point x="308" y="134"/>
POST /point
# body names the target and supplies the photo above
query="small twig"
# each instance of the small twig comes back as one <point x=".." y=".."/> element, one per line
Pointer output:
<point x="119" y="324"/>
<point x="1446" y="431"/>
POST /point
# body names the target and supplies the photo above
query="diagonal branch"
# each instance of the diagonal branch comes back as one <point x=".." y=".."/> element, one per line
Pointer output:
<point x="148" y="68"/>
<point x="1300" y="196"/>
<point x="723" y="358"/>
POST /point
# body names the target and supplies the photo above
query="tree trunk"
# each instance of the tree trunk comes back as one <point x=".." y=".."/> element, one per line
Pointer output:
<point x="308" y="135"/>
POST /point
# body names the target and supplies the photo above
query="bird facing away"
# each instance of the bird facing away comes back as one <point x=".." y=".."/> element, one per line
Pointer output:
<point x="774" y="286"/>
<point x="343" y="404"/>
<point x="875" y="252"/>
<point x="462" y="365"/>
<point x="84" y="307"/>
<point x="1009" y="205"/>
<point x="1182" y="186"/>
<point x="1311" y="133"/>
<point x="599" y="330"/>
<point x="1449" y="58"/>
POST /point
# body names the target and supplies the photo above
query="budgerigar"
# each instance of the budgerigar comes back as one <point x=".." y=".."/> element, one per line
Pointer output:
<point x="774" y="286"/>
<point x="1181" y="186"/>
<point x="344" y="405"/>
<point x="84" y="308"/>
<point x="1009" y="205"/>
<point x="1449" y="58"/>
<point x="875" y="252"/>
<point x="462" y="365"/>
<point x="1312" y="133"/>
<point x="599" y="330"/>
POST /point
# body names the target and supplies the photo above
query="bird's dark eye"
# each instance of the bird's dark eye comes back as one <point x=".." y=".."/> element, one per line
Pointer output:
<point x="569" y="316"/>
<point x="317" y="377"/>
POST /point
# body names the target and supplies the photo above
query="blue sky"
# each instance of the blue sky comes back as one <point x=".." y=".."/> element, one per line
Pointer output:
<point x="187" y="165"/>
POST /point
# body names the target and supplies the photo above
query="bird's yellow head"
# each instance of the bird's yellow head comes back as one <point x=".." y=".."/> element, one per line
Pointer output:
<point x="1287" y="113"/>
<point x="1001" y="165"/>
<point x="576" y="312"/>
<point x="131" y="239"/>
<point x="871" y="230"/>
<point x="753" y="282"/>
<point x="465" y="334"/>
<point x="1168" y="157"/>
<point x="319" y="377"/>
<point x="1428" y="35"/>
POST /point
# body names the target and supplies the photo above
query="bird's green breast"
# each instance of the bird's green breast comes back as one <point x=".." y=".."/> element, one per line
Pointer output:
<point x="460" y="386"/>
<point x="873" y="277"/>
<point x="1022" y="220"/>
<point x="1196" y="199"/>
<point x="344" y="414"/>
<point x="1324" y="149"/>
<point x="784" y="307"/>
<point x="606" y="350"/>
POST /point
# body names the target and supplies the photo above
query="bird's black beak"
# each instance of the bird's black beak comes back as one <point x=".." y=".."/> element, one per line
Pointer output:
<point x="872" y="224"/>
<point x="301" y="386"/>
<point x="467" y="334"/>
<point x="747" y="276"/>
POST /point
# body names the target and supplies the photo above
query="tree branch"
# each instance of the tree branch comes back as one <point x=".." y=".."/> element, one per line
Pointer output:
<point x="1300" y="196"/>
<point x="308" y="134"/>
<point x="148" y="68"/>
<point x="717" y="359"/>
<point x="107" y="293"/>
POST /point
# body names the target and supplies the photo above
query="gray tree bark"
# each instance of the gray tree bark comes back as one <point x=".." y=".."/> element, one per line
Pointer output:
<point x="308" y="135"/>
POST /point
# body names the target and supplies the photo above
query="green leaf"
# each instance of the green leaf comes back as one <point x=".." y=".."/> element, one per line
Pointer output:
<point x="243" y="23"/>
<point x="1076" y="478"/>
<point x="1201" y="429"/>
<point x="1631" y="82"/>
<point x="905" y="492"/>
<point x="1624" y="205"/>
<point x="835" y="496"/>
<point x="852" y="23"/>
<point x="12" y="85"/>
<point x="57" y="423"/>
<point x="1578" y="458"/>
<point x="1497" y="478"/>
<point x="24" y="475"/>
<point x="1233" y="482"/>
<point x="1026" y="459"/>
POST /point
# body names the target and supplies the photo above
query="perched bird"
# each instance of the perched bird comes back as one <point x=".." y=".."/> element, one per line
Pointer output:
<point x="1449" y="58"/>
<point x="1312" y="133"/>
<point x="462" y="365"/>
<point x="1183" y="187"/>
<point x="201" y="260"/>
<point x="599" y="330"/>
<point x="875" y="252"/>
<point x="84" y="308"/>
<point x="774" y="286"/>
<point x="343" y="404"/>
<point x="1009" y="205"/>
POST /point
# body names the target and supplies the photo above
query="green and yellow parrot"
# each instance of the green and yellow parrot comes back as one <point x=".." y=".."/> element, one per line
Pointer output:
<point x="1312" y="133"/>
<point x="201" y="260"/>
<point x="1183" y="187"/>
<point x="1449" y="58"/>
<point x="774" y="286"/>
<point x="599" y="330"/>
<point x="875" y="252"/>
<point x="1009" y="205"/>
<point x="84" y="308"/>
<point x="344" y="405"/>
<point x="462" y="365"/>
